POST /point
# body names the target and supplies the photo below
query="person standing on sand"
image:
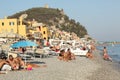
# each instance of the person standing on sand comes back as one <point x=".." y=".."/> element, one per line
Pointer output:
<point x="105" y="55"/>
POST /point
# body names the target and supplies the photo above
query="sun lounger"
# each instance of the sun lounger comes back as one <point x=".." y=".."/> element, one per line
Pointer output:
<point x="13" y="54"/>
<point x="79" y="52"/>
<point x="39" y="53"/>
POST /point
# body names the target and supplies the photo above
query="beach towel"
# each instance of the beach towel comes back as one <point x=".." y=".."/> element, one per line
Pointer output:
<point x="6" y="67"/>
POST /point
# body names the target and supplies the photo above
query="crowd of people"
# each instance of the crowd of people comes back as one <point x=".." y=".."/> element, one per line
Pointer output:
<point x="66" y="55"/>
<point x="17" y="63"/>
<point x="11" y="63"/>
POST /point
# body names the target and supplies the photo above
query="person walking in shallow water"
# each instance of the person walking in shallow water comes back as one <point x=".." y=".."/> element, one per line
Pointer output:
<point x="105" y="55"/>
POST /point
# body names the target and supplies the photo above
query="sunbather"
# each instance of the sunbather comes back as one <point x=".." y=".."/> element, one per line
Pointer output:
<point x="61" y="55"/>
<point x="20" y="62"/>
<point x="70" y="55"/>
<point x="16" y="63"/>
<point x="89" y="54"/>
<point x="13" y="62"/>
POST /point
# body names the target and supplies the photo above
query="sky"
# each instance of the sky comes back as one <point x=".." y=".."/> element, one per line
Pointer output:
<point x="101" y="18"/>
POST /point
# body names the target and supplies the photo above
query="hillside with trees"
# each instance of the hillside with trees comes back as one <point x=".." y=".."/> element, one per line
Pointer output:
<point x="56" y="17"/>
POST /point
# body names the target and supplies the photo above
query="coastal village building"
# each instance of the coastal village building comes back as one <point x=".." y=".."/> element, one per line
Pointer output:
<point x="62" y="35"/>
<point x="17" y="27"/>
<point x="32" y="29"/>
<point x="12" y="26"/>
<point x="39" y="31"/>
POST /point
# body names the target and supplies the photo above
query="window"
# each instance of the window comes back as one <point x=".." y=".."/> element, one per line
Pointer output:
<point x="39" y="28"/>
<point x="2" y="23"/>
<point x="44" y="32"/>
<point x="44" y="38"/>
<point x="18" y="22"/>
<point x="11" y="23"/>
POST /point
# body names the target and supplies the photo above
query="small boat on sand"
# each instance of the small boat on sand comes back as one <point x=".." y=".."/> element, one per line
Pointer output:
<point x="79" y="52"/>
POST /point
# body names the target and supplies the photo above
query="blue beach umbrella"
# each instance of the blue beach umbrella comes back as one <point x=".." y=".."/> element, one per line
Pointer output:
<point x="23" y="43"/>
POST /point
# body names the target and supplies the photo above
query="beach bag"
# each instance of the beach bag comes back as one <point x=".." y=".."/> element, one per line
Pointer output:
<point x="29" y="67"/>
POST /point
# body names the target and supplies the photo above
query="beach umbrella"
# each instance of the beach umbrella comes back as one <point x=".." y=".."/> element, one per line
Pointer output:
<point x="23" y="43"/>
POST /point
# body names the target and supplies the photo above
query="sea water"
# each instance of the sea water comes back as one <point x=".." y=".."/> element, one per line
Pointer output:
<point x="113" y="51"/>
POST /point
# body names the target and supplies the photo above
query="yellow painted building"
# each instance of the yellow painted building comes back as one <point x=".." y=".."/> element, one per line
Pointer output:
<point x="12" y="25"/>
<point x="41" y="32"/>
<point x="45" y="32"/>
<point x="16" y="26"/>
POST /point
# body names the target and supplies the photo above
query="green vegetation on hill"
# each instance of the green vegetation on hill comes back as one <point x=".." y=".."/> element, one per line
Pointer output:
<point x="55" y="17"/>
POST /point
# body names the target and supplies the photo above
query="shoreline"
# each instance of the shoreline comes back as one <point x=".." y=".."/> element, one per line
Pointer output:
<point x="115" y="64"/>
<point x="107" y="71"/>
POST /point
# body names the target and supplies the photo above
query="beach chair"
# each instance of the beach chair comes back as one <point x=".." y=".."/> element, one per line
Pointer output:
<point x="39" y="53"/>
<point x="13" y="54"/>
<point x="46" y="53"/>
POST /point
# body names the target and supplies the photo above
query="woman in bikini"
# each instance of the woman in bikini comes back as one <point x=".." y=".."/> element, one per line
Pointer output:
<point x="105" y="55"/>
<point x="13" y="62"/>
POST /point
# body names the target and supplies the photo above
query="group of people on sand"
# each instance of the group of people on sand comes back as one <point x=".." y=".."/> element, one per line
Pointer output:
<point x="17" y="63"/>
<point x="89" y="54"/>
<point x="66" y="55"/>
<point x="105" y="54"/>
<point x="11" y="63"/>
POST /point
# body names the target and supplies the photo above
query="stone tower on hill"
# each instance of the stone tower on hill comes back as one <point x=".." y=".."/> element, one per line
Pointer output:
<point x="46" y="6"/>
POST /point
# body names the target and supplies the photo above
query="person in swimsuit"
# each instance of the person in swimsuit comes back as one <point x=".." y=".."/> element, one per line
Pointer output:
<point x="61" y="55"/>
<point x="15" y="63"/>
<point x="105" y="55"/>
<point x="89" y="54"/>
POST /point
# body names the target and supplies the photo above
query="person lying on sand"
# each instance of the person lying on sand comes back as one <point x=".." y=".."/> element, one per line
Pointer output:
<point x="16" y="64"/>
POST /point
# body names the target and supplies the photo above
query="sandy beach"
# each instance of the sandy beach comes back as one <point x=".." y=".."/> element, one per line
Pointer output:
<point x="80" y="69"/>
<point x="107" y="71"/>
